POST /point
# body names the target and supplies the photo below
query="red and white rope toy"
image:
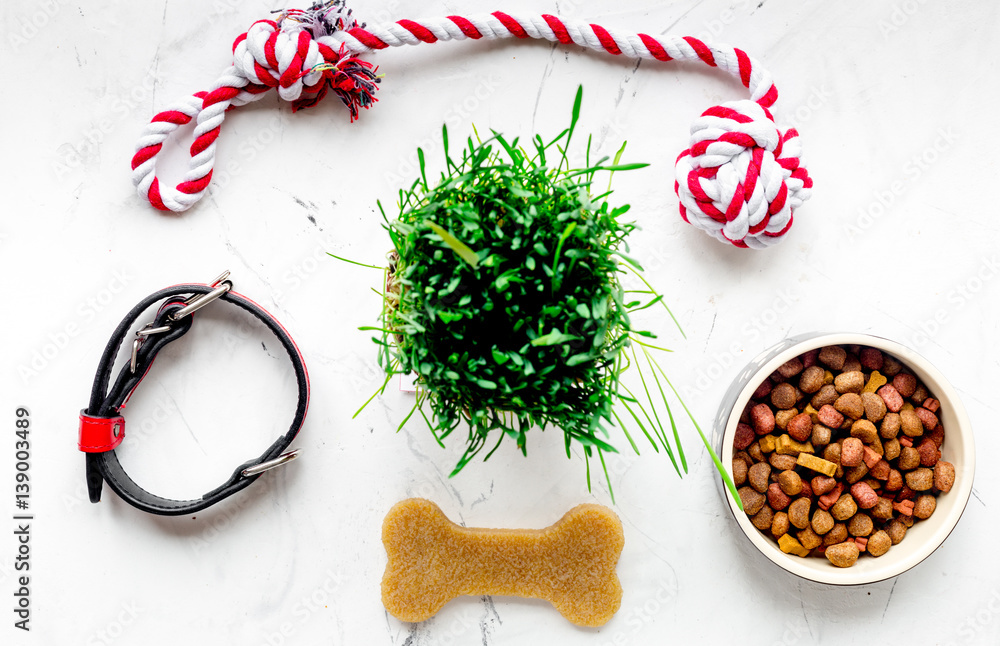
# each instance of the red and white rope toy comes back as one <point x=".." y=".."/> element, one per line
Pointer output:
<point x="739" y="180"/>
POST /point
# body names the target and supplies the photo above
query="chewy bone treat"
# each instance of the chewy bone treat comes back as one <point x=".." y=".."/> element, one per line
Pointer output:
<point x="571" y="564"/>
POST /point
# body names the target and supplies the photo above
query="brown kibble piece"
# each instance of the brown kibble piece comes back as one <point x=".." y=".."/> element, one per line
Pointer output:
<point x="844" y="508"/>
<point x="762" y="519"/>
<point x="944" y="476"/>
<point x="893" y="400"/>
<point x="780" y="524"/>
<point x="821" y="435"/>
<point x="909" y="458"/>
<point x="882" y="509"/>
<point x="891" y="449"/>
<point x="784" y="396"/>
<point x="854" y="474"/>
<point x="879" y="543"/>
<point x="849" y="382"/>
<point x="739" y="472"/>
<point x="809" y="539"/>
<point x="759" y="476"/>
<point x="843" y="554"/>
<point x="850" y="405"/>
<point x="924" y="506"/>
<point x="776" y="498"/>
<point x="905" y="384"/>
<point x="875" y="408"/>
<point x="782" y="417"/>
<point x="811" y="380"/>
<point x="826" y="395"/>
<point x="852" y="451"/>
<point x="762" y="418"/>
<point x="865" y="431"/>
<point x="790" y="368"/>
<point x="790" y="482"/>
<point x="891" y="366"/>
<point x="894" y="481"/>
<point x="860" y="525"/>
<point x="571" y="563"/>
<point x="781" y="462"/>
<point x="798" y="513"/>
<point x="822" y="521"/>
<point x="921" y="479"/>
<point x="896" y="530"/>
<point x="910" y="423"/>
<point x="752" y="500"/>
<point x="890" y="426"/>
<point x="833" y="356"/>
<point x="800" y="427"/>
<point x="755" y="452"/>
<point x="836" y="535"/>
<point x="823" y="484"/>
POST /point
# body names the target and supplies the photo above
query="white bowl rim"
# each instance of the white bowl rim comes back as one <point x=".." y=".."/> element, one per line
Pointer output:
<point x="868" y="570"/>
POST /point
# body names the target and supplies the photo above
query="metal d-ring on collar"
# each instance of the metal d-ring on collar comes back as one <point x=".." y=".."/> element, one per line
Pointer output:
<point x="102" y="425"/>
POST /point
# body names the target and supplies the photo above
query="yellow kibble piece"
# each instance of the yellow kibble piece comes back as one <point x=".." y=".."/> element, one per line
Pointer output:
<point x="827" y="377"/>
<point x="785" y="445"/>
<point x="790" y="545"/>
<point x="767" y="443"/>
<point x="811" y="412"/>
<point x="818" y="465"/>
<point x="875" y="381"/>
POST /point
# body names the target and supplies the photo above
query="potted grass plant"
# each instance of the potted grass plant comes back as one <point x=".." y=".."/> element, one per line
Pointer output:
<point x="505" y="295"/>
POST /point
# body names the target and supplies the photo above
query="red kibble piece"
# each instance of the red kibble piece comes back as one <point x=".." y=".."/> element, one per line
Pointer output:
<point x="932" y="404"/>
<point x="852" y="452"/>
<point x="763" y="390"/>
<point x="829" y="416"/>
<point x="937" y="435"/>
<point x="809" y="358"/>
<point x="905" y="384"/>
<point x="800" y="427"/>
<point x="893" y="400"/>
<point x="906" y="494"/>
<point x="871" y="358"/>
<point x="776" y="498"/>
<point x="743" y="437"/>
<point x="827" y="500"/>
<point x="861" y="542"/>
<point x="904" y="507"/>
<point x="762" y="418"/>
<point x="881" y="470"/>
<point x="864" y="495"/>
<point x="927" y="418"/>
<point x="807" y="491"/>
<point x="929" y="453"/>
<point x="905" y="441"/>
<point x="871" y="457"/>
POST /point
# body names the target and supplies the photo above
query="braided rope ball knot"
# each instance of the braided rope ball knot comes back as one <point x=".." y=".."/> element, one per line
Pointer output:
<point x="741" y="178"/>
<point x="282" y="58"/>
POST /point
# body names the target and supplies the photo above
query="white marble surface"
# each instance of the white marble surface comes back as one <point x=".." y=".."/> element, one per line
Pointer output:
<point x="895" y="102"/>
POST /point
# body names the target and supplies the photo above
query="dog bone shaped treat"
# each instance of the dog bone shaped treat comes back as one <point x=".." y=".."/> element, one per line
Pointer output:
<point x="571" y="564"/>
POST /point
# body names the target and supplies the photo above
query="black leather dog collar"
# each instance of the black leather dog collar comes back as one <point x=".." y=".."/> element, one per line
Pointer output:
<point x="102" y="428"/>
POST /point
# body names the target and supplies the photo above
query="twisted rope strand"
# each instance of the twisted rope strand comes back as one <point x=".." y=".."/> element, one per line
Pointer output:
<point x="740" y="179"/>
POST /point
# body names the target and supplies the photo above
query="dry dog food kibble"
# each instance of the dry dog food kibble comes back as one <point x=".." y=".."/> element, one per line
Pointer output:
<point x="840" y="454"/>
